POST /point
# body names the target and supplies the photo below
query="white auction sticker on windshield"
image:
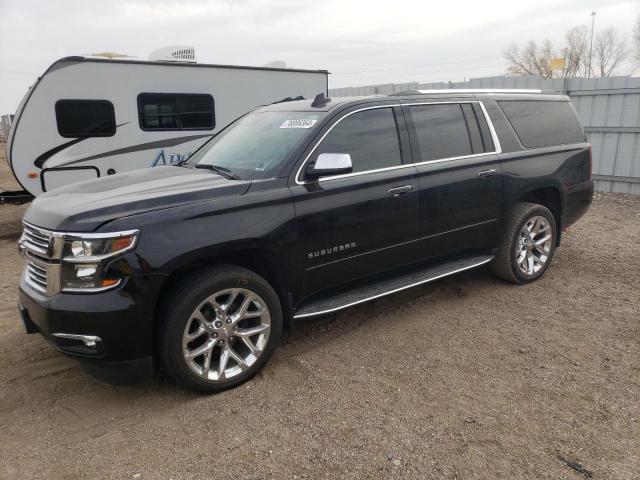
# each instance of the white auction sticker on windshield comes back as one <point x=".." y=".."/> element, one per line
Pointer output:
<point x="299" y="123"/>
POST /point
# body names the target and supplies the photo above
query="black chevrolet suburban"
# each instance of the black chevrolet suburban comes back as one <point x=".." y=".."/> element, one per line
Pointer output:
<point x="298" y="209"/>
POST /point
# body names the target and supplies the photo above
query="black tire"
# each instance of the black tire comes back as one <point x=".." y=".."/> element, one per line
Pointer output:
<point x="505" y="264"/>
<point x="177" y="309"/>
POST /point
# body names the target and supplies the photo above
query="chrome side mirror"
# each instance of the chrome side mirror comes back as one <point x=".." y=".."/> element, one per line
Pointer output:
<point x="330" y="164"/>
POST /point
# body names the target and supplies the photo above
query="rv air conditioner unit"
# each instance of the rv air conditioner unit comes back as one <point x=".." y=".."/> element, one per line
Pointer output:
<point x="174" y="53"/>
<point x="276" y="64"/>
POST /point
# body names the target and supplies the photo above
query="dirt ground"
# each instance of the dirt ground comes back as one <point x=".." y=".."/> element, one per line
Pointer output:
<point x="468" y="377"/>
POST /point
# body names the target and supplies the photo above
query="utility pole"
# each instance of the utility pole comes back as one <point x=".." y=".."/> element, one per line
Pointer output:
<point x="593" y="20"/>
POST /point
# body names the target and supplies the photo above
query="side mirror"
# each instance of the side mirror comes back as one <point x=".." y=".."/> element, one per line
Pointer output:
<point x="330" y="164"/>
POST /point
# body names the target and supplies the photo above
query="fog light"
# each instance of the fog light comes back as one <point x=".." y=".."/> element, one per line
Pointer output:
<point x="80" y="275"/>
<point x="86" y="270"/>
<point x="79" y="344"/>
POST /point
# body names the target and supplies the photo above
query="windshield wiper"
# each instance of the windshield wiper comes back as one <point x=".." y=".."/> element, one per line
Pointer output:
<point x="223" y="171"/>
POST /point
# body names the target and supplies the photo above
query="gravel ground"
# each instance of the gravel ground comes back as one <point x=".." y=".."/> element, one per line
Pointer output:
<point x="468" y="377"/>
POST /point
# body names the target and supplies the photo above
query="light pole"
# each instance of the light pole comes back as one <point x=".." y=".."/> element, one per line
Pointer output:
<point x="593" y="20"/>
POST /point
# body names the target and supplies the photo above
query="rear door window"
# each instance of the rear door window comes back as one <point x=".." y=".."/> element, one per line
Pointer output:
<point x="487" y="140"/>
<point x="543" y="123"/>
<point x="85" y="118"/>
<point x="369" y="136"/>
<point x="439" y="131"/>
<point x="472" y="127"/>
<point x="170" y="111"/>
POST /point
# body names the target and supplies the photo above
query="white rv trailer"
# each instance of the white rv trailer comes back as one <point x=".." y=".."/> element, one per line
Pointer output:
<point x="87" y="117"/>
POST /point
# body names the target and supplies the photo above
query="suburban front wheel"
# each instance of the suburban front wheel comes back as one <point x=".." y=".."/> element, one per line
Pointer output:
<point x="219" y="329"/>
<point x="528" y="244"/>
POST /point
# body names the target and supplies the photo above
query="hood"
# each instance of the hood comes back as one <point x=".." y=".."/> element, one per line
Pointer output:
<point x="84" y="206"/>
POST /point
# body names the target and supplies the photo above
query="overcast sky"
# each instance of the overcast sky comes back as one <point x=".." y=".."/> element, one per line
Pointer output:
<point x="359" y="42"/>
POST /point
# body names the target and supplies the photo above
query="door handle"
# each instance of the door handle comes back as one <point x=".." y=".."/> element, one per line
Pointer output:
<point x="397" y="191"/>
<point x="487" y="173"/>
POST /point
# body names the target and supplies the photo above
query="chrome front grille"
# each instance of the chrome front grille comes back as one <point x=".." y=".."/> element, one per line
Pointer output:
<point x="36" y="274"/>
<point x="41" y="249"/>
<point x="36" y="240"/>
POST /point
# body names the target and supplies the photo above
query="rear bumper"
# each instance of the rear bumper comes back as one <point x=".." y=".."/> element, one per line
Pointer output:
<point x="577" y="200"/>
<point x="111" y="333"/>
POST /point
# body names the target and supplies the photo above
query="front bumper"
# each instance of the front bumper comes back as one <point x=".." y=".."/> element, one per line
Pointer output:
<point x="109" y="332"/>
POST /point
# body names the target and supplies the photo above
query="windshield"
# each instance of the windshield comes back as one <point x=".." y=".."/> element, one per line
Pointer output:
<point x="257" y="144"/>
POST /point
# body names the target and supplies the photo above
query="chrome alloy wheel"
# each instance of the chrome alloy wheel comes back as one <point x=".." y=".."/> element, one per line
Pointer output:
<point x="226" y="334"/>
<point x="534" y="245"/>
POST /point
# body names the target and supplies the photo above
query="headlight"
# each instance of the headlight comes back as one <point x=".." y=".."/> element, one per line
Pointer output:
<point x="85" y="256"/>
<point x="100" y="247"/>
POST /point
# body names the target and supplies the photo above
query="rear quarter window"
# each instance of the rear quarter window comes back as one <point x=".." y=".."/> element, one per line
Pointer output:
<point x="543" y="123"/>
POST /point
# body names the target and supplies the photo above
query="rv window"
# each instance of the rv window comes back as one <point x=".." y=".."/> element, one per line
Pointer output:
<point x="168" y="111"/>
<point x="85" y="118"/>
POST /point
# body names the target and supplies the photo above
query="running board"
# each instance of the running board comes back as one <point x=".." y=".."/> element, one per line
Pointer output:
<point x="387" y="286"/>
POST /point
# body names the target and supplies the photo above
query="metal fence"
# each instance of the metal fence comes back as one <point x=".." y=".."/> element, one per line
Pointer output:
<point x="609" y="109"/>
<point x="5" y="125"/>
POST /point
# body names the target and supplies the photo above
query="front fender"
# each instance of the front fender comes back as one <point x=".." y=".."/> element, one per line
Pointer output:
<point x="172" y="238"/>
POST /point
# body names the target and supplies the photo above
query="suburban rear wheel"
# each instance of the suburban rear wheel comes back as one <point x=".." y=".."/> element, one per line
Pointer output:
<point x="528" y="244"/>
<point x="219" y="329"/>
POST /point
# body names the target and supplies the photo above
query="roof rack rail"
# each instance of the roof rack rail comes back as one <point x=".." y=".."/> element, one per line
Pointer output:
<point x="289" y="99"/>
<point x="466" y="90"/>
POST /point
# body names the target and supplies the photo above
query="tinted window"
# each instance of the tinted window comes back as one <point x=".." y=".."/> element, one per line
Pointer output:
<point x="85" y="118"/>
<point x="440" y="131"/>
<point x="472" y="127"/>
<point x="539" y="123"/>
<point x="487" y="141"/>
<point x="370" y="137"/>
<point x="165" y="111"/>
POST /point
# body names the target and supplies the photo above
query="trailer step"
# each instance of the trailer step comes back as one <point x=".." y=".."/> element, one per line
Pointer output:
<point x="381" y="287"/>
<point x="15" y="198"/>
